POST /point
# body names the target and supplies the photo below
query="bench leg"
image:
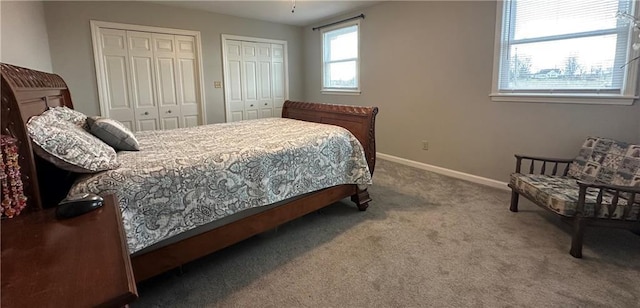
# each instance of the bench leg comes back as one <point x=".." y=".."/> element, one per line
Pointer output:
<point x="514" y="201"/>
<point x="576" y="238"/>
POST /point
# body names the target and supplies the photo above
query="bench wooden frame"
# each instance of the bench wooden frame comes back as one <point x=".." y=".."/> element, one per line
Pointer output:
<point x="560" y="167"/>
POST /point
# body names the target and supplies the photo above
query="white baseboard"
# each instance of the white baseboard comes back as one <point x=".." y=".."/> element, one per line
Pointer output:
<point x="445" y="171"/>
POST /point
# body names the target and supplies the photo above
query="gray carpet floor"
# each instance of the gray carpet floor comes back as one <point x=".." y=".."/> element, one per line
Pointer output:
<point x="426" y="241"/>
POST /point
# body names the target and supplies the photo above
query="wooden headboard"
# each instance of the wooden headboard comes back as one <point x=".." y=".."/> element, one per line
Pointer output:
<point x="26" y="93"/>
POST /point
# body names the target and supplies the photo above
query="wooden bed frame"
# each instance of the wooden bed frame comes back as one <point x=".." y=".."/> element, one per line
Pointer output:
<point x="27" y="92"/>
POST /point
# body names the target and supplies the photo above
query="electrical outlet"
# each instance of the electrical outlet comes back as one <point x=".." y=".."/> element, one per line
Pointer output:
<point x="425" y="145"/>
<point x="217" y="84"/>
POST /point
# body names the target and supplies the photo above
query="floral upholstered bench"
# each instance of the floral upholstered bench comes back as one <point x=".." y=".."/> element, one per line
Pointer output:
<point x="601" y="186"/>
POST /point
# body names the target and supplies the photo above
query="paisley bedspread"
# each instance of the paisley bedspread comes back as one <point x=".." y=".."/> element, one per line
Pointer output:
<point x="184" y="178"/>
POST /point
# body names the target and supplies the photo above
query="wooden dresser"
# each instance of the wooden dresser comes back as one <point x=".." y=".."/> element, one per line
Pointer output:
<point x="77" y="262"/>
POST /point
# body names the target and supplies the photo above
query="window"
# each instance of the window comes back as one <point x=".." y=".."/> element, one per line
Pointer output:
<point x="340" y="58"/>
<point x="565" y="51"/>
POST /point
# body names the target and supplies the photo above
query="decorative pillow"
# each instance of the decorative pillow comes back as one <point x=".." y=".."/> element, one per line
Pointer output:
<point x="68" y="146"/>
<point x="608" y="161"/>
<point x="76" y="117"/>
<point x="113" y="133"/>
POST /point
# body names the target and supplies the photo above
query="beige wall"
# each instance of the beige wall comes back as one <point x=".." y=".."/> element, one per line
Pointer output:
<point x="428" y="66"/>
<point x="24" y="35"/>
<point x="72" y="53"/>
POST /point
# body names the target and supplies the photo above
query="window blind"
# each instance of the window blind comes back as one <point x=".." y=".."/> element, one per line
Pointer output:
<point x="563" y="46"/>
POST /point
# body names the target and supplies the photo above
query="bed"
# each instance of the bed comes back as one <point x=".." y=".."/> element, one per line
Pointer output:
<point x="27" y="93"/>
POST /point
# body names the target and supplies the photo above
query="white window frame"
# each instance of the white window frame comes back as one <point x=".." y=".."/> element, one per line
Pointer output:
<point x="627" y="95"/>
<point x="329" y="90"/>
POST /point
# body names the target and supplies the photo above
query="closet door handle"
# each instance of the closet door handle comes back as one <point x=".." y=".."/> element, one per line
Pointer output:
<point x="265" y="104"/>
<point x="146" y="113"/>
<point x="251" y="105"/>
<point x="168" y="111"/>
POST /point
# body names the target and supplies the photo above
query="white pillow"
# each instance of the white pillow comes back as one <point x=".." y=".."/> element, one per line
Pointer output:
<point x="76" y="117"/>
<point x="113" y="133"/>
<point x="69" y="146"/>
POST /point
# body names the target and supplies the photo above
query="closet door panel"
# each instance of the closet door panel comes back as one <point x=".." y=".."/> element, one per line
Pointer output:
<point x="187" y="81"/>
<point x="118" y="104"/>
<point x="170" y="122"/>
<point x="233" y="80"/>
<point x="116" y="70"/>
<point x="115" y="75"/>
<point x="166" y="80"/>
<point x="113" y="41"/>
<point x="129" y="125"/>
<point x="142" y="78"/>
<point x="189" y="105"/>
<point x="265" y="81"/>
<point x="250" y="80"/>
<point x="237" y="116"/>
<point x="278" y="74"/>
<point x="278" y="82"/>
<point x="251" y="114"/>
<point x="148" y="124"/>
<point x="191" y="121"/>
<point x="265" y="99"/>
<point x="264" y="52"/>
<point x="164" y="43"/>
<point x="187" y="86"/>
<point x="186" y="45"/>
<point x="266" y="112"/>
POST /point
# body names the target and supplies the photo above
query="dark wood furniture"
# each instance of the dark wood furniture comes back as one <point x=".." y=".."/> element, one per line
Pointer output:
<point x="26" y="93"/>
<point x="560" y="167"/>
<point x="77" y="262"/>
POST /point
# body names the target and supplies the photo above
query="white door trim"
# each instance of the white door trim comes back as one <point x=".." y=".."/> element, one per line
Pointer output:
<point x="96" y="25"/>
<point x="227" y="91"/>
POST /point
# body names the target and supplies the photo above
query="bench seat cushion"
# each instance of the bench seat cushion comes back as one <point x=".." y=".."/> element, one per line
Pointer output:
<point x="560" y="194"/>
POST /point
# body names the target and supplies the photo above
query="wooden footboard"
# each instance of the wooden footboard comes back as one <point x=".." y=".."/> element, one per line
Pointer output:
<point x="360" y="121"/>
<point x="26" y="93"/>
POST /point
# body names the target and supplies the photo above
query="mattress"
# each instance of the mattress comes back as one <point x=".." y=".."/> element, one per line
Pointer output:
<point x="182" y="179"/>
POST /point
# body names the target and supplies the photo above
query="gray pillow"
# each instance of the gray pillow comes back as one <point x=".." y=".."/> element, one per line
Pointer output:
<point x="113" y="133"/>
<point x="69" y="146"/>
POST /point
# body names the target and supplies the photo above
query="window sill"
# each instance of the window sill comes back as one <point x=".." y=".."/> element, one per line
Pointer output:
<point x="341" y="92"/>
<point x="587" y="99"/>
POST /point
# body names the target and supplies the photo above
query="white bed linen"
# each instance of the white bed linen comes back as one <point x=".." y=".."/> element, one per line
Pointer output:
<point x="184" y="178"/>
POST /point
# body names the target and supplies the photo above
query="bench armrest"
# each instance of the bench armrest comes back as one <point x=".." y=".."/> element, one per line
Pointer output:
<point x="544" y="160"/>
<point x="627" y="193"/>
<point x="609" y="187"/>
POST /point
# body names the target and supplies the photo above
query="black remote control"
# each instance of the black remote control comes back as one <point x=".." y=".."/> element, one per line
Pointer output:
<point x="77" y="205"/>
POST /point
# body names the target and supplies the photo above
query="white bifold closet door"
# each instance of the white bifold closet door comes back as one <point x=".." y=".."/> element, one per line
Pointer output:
<point x="150" y="80"/>
<point x="255" y="82"/>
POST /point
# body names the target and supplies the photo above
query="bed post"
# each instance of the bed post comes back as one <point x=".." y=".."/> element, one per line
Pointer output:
<point x="361" y="199"/>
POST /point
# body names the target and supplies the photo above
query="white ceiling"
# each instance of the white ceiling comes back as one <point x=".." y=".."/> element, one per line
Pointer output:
<point x="306" y="13"/>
